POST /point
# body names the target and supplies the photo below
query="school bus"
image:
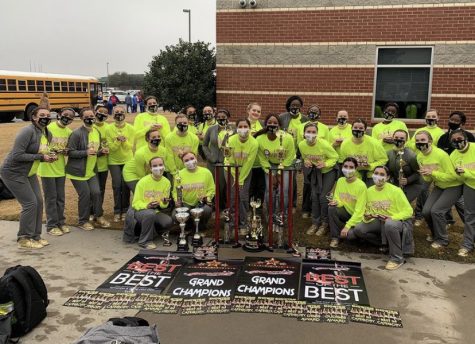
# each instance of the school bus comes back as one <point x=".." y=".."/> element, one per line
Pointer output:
<point x="20" y="92"/>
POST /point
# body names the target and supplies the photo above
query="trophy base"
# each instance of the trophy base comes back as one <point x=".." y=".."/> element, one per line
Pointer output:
<point x="253" y="246"/>
<point x="167" y="244"/>
<point x="205" y="253"/>
<point x="281" y="249"/>
<point x="182" y="247"/>
<point x="197" y="242"/>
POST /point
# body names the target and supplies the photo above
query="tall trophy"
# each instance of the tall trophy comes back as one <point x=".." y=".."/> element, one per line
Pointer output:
<point x="197" y="238"/>
<point x="401" y="165"/>
<point x="227" y="227"/>
<point x="254" y="238"/>
<point x="182" y="216"/>
<point x="278" y="228"/>
<point x="281" y="151"/>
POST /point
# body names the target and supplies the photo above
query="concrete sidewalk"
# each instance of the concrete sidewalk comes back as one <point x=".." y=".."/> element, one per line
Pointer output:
<point x="435" y="298"/>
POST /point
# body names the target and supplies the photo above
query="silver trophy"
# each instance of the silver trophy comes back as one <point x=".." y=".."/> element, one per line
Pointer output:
<point x="254" y="237"/>
<point x="227" y="226"/>
<point x="197" y="238"/>
<point x="278" y="228"/>
<point x="182" y="216"/>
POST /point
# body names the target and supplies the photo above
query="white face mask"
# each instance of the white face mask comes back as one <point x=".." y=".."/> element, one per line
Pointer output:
<point x="157" y="171"/>
<point x="310" y="137"/>
<point x="191" y="164"/>
<point x="379" y="180"/>
<point x="348" y="172"/>
<point x="243" y="132"/>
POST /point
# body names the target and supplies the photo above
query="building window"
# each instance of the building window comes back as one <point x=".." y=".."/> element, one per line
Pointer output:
<point x="21" y="85"/>
<point x="31" y="86"/>
<point x="48" y="86"/>
<point x="11" y="85"/>
<point x="403" y="76"/>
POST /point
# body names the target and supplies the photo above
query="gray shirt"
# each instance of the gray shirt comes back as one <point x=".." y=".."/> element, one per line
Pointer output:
<point x="286" y="117"/>
<point x="410" y="167"/>
<point x="211" y="147"/>
<point x="77" y="153"/>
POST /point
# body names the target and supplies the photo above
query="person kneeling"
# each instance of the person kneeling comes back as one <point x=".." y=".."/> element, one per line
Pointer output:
<point x="388" y="219"/>
<point x="151" y="196"/>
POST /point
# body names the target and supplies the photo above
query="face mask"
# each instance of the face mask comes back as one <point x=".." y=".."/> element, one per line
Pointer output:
<point x="422" y="146"/>
<point x="388" y="116"/>
<point x="208" y="116"/>
<point x="191" y="116"/>
<point x="272" y="129"/>
<point x="157" y="171"/>
<point x="379" y="180"/>
<point x="294" y="111"/>
<point x="431" y="122"/>
<point x="155" y="142"/>
<point x="222" y="121"/>
<point x="313" y="115"/>
<point x="459" y="145"/>
<point x="341" y="121"/>
<point x="152" y="108"/>
<point x="44" y="121"/>
<point x="310" y="137"/>
<point x="357" y="133"/>
<point x="348" y="172"/>
<point x="88" y="121"/>
<point x="119" y="118"/>
<point x="101" y="117"/>
<point x="191" y="164"/>
<point x="454" y="126"/>
<point x="243" y="132"/>
<point x="182" y="127"/>
<point x="65" y="120"/>
<point x="399" y="143"/>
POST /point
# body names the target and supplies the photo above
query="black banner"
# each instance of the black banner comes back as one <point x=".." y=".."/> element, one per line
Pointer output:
<point x="269" y="277"/>
<point x="333" y="282"/>
<point x="206" y="279"/>
<point x="145" y="273"/>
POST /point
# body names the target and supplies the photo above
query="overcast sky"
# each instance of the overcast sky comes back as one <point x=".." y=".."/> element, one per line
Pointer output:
<point x="81" y="36"/>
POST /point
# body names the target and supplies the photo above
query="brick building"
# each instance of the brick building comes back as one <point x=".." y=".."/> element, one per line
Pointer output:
<point x="352" y="54"/>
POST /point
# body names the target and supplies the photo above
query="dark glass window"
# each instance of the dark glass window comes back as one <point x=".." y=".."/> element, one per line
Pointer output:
<point x="64" y="86"/>
<point x="3" y="85"/>
<point x="31" y="86"/>
<point x="21" y="85"/>
<point x="40" y="85"/>
<point x="11" y="85"/>
<point x="48" y="86"/>
<point x="71" y="87"/>
<point x="56" y="86"/>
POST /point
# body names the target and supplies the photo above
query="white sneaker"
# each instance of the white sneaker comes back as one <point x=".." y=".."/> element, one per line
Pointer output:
<point x="322" y="229"/>
<point x="334" y="243"/>
<point x="305" y="215"/>
<point x="311" y="230"/>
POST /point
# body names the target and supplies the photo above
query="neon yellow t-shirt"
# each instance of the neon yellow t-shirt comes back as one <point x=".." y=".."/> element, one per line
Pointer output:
<point x="320" y="151"/>
<point x="143" y="122"/>
<point x="177" y="145"/>
<point x="390" y="201"/>
<point x="351" y="196"/>
<point x="149" y="190"/>
<point x="145" y="154"/>
<point x="120" y="152"/>
<point x="242" y="154"/>
<point x="370" y="151"/>
<point x="129" y="171"/>
<point x="196" y="185"/>
<point x="91" y="160"/>
<point x="467" y="161"/>
<point x="382" y="130"/>
<point x="102" y="161"/>
<point x="435" y="132"/>
<point x="42" y="150"/>
<point x="443" y="170"/>
<point x="340" y="133"/>
<point x="322" y="132"/>
<point x="59" y="141"/>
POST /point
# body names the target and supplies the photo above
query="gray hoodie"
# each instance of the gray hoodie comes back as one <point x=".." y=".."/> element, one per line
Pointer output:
<point x="77" y="154"/>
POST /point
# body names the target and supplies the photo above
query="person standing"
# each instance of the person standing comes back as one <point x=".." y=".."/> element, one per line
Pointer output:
<point x="341" y="131"/>
<point x="257" y="189"/>
<point x="19" y="175"/>
<point x="208" y="121"/>
<point x="101" y="125"/>
<point x="150" y="119"/>
<point x="179" y="142"/>
<point x="134" y="103"/>
<point x="384" y="130"/>
<point x="457" y="120"/>
<point x="293" y="118"/>
<point x="155" y="148"/>
<point x="128" y="102"/>
<point x="53" y="174"/>
<point x="432" y="120"/>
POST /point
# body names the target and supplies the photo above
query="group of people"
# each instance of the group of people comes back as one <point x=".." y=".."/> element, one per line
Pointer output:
<point x="355" y="186"/>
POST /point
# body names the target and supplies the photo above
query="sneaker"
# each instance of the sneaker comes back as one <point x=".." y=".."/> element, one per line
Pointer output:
<point x="447" y="226"/>
<point x="429" y="238"/>
<point x="91" y="218"/>
<point x="123" y="216"/>
<point x="322" y="229"/>
<point x="150" y="246"/>
<point x="26" y="243"/>
<point x="116" y="218"/>
<point x="55" y="231"/>
<point x="65" y="229"/>
<point x="436" y="245"/>
<point x="305" y="215"/>
<point x="463" y="252"/>
<point x="418" y="223"/>
<point x="101" y="221"/>
<point x="334" y="243"/>
<point x="393" y="265"/>
<point x="87" y="226"/>
<point x="43" y="242"/>
<point x="311" y="230"/>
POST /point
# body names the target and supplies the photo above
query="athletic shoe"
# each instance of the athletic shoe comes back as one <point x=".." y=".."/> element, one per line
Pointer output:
<point x="393" y="265"/>
<point x="116" y="218"/>
<point x="55" y="231"/>
<point x="311" y="230"/>
<point x="436" y="245"/>
<point x="150" y="246"/>
<point x="43" y="242"/>
<point x="322" y="229"/>
<point x="65" y="229"/>
<point x="418" y="222"/>
<point x="463" y="252"/>
<point x="87" y="226"/>
<point x="91" y="218"/>
<point x="101" y="221"/>
<point x="334" y="243"/>
<point x="25" y="243"/>
<point x="429" y="238"/>
<point x="305" y="215"/>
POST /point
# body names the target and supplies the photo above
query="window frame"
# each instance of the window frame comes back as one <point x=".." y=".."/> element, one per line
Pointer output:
<point x="50" y="87"/>
<point x="375" y="80"/>
<point x="8" y="85"/>
<point x="56" y="86"/>
<point x="22" y="86"/>
<point x="31" y="83"/>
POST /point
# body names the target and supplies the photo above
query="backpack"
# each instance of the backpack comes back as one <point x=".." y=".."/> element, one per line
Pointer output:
<point x="24" y="286"/>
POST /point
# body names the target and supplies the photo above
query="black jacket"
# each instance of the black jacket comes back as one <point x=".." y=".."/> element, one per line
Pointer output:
<point x="444" y="141"/>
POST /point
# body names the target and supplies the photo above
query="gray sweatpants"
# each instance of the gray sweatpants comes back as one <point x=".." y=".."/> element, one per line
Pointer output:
<point x="243" y="200"/>
<point x="439" y="202"/>
<point x="131" y="185"/>
<point x="392" y="230"/>
<point x="203" y="219"/>
<point x="53" y="189"/>
<point x="469" y="228"/>
<point x="412" y="191"/>
<point x="370" y="232"/>
<point x="88" y="190"/>
<point x="151" y="221"/>
<point x="319" y="195"/>
<point x="337" y="218"/>
<point x="120" y="190"/>
<point x="28" y="193"/>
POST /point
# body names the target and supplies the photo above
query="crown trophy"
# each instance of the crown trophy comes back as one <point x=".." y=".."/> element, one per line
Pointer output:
<point x="182" y="216"/>
<point x="254" y="239"/>
<point x="197" y="238"/>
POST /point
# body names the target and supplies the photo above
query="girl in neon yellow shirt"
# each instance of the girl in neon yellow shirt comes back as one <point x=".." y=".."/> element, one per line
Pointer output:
<point x="313" y="115"/>
<point x="432" y="118"/>
<point x="257" y="189"/>
<point x="436" y="166"/>
<point x="341" y="131"/>
<point x="154" y="148"/>
<point x="387" y="219"/>
<point x="149" y="119"/>
<point x="102" y="113"/>
<point x="319" y="174"/>
<point x="384" y="131"/>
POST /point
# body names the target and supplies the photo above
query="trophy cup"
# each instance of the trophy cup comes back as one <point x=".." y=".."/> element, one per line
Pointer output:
<point x="182" y="216"/>
<point x="254" y="239"/>
<point x="197" y="239"/>
<point x="281" y="151"/>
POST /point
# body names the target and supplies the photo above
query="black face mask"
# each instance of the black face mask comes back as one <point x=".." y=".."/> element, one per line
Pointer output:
<point x="388" y="116"/>
<point x="101" y="117"/>
<point x="454" y="126"/>
<point x="294" y="111"/>
<point x="65" y="120"/>
<point x="459" y="145"/>
<point x="313" y="115"/>
<point x="341" y="120"/>
<point x="191" y="116"/>
<point x="119" y="118"/>
<point x="88" y="121"/>
<point x="422" y="146"/>
<point x="399" y="143"/>
<point x="208" y="116"/>
<point x="152" y="108"/>
<point x="357" y="133"/>
<point x="431" y="122"/>
<point x="222" y="121"/>
<point x="155" y="142"/>
<point x="182" y="127"/>
<point x="272" y="129"/>
<point x="44" y="121"/>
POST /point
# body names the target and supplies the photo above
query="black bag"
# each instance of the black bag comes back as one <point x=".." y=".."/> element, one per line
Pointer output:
<point x="24" y="286"/>
<point x="5" y="192"/>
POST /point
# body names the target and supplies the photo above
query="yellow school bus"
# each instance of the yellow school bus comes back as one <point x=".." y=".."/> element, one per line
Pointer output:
<point x="20" y="92"/>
